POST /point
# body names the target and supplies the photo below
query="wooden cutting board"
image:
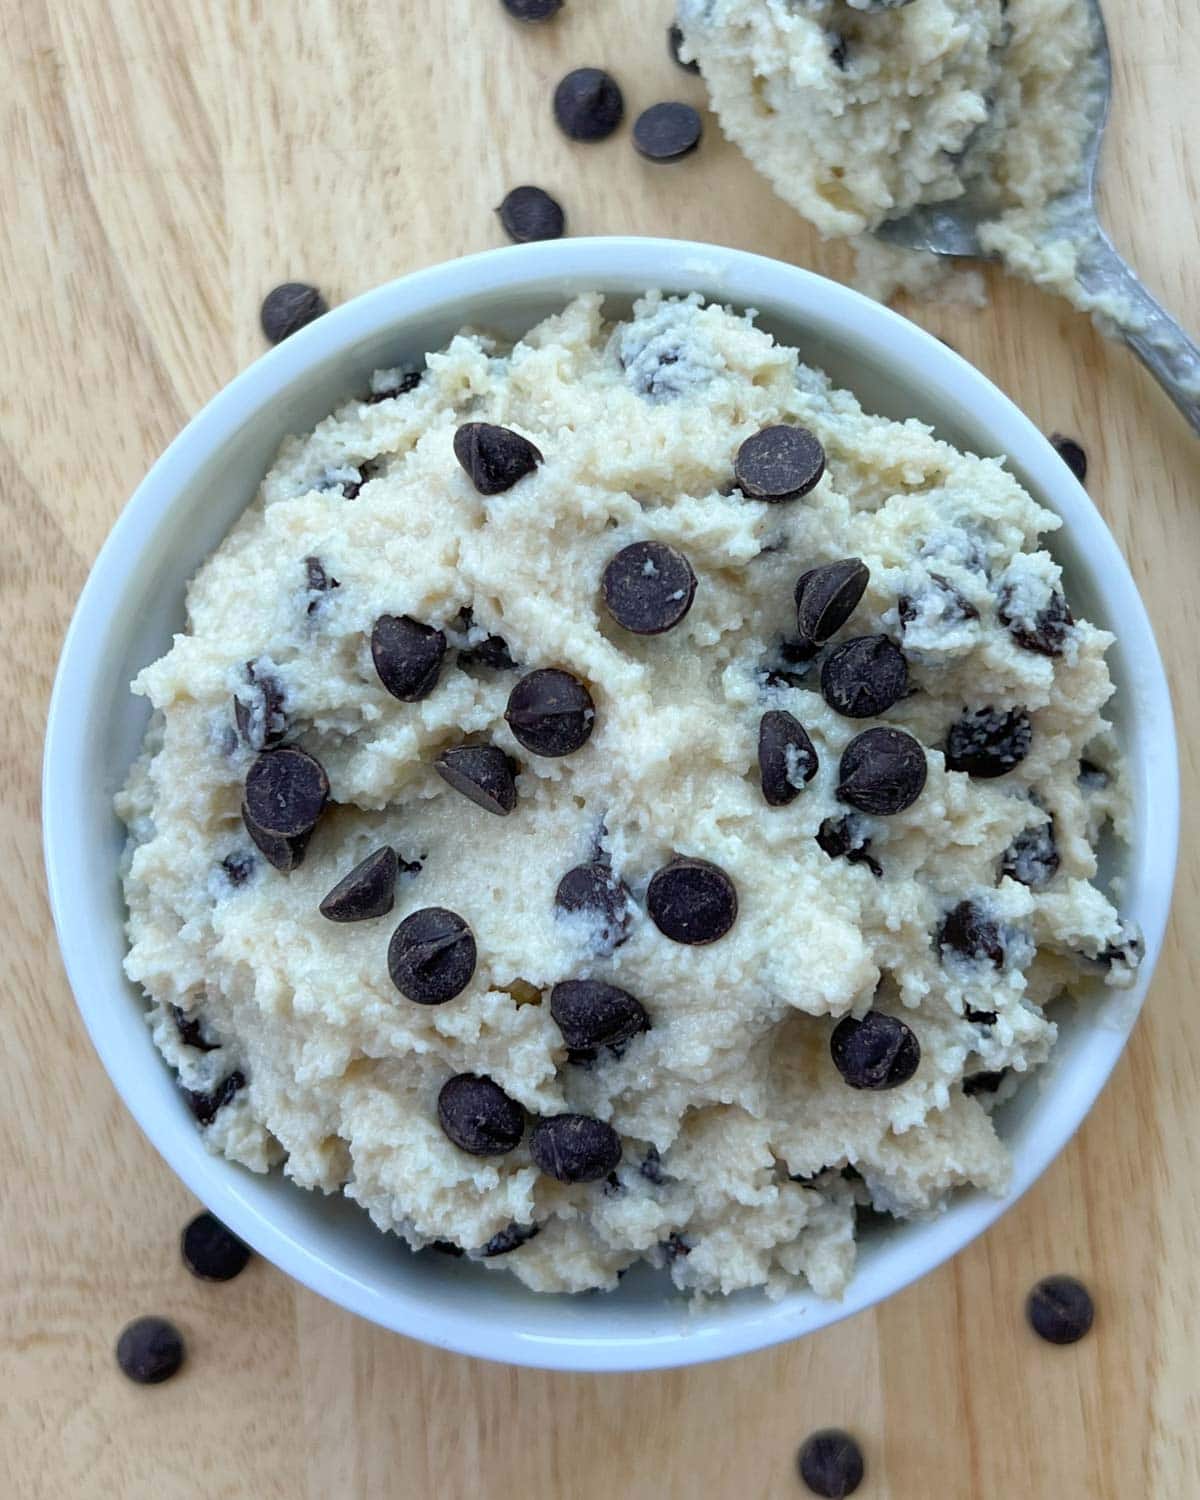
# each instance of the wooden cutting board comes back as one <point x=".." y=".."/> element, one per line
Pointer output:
<point x="164" y="165"/>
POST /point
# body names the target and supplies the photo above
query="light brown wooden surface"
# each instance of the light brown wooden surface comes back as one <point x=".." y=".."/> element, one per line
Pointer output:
<point x="165" y="163"/>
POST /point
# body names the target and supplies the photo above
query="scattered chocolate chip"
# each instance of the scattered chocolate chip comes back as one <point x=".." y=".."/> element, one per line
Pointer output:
<point x="150" y="1350"/>
<point x="286" y="792"/>
<point x="206" y="1107"/>
<point x="190" y="1031"/>
<point x="651" y="1166"/>
<point x="882" y="771"/>
<point x="877" y="1052"/>
<point x="674" y="42"/>
<point x="831" y="1464"/>
<point x="864" y="677"/>
<point x="588" y="105"/>
<point x="367" y="891"/>
<point x="530" y="213"/>
<point x="594" y="890"/>
<point x="674" y="1248"/>
<point x="478" y="1116"/>
<point x="318" y="580"/>
<point x="494" y="458"/>
<point x="1092" y="778"/>
<point x="259" y="712"/>
<point x="1032" y="858"/>
<point x="1127" y="952"/>
<point x="968" y="930"/>
<point x="446" y="1247"/>
<point x="787" y="760"/>
<point x="954" y="607"/>
<point x="827" y="596"/>
<point x="550" y="712"/>
<point x="591" y="1014"/>
<point x="979" y="1017"/>
<point x="1060" y="1310"/>
<point x="287" y="308"/>
<point x="491" y="652"/>
<point x="574" y="1148"/>
<point x="238" y="867"/>
<point x="1071" y="454"/>
<point x="838" y="51"/>
<point x="983" y="1083"/>
<point x="1048" y="632"/>
<point x="431" y="956"/>
<point x="408" y="656"/>
<point x="212" y="1252"/>
<point x="349" y="480"/>
<point x="532" y="10"/>
<point x="668" y="131"/>
<point x="482" y="773"/>
<point x="841" y="838"/>
<point x="692" y="901"/>
<point x="285" y="854"/>
<point x="988" y="741"/>
<point x="405" y="381"/>
<point x="648" y="587"/>
<point x="779" y="463"/>
<point x="508" y="1239"/>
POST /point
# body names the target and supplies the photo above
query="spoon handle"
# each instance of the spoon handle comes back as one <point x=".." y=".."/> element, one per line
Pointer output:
<point x="1144" y="324"/>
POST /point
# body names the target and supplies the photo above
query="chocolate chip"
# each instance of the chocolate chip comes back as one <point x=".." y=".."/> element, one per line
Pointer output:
<point x="1060" y="1310"/>
<point x="831" y="1464"/>
<point x="863" y="677"/>
<point x="212" y="1252"/>
<point x="259" y="713"/>
<point x="651" y="1166"/>
<point x="779" y="463"/>
<point x="508" y="1239"/>
<point x="532" y="10"/>
<point x="827" y="596"/>
<point x="550" y="712"/>
<point x="674" y="42"/>
<point x="877" y="1052"/>
<point x="318" y="580"/>
<point x="838" y="51"/>
<point x="591" y="1014"/>
<point x="482" y="773"/>
<point x="400" y="385"/>
<point x="882" y="771"/>
<point x="287" y="308"/>
<point x="1071" y="454"/>
<point x="787" y="761"/>
<point x="574" y="1148"/>
<point x="648" y="587"/>
<point x="588" y="105"/>
<point x="494" y="458"/>
<point x="530" y="213"/>
<point x="190" y="1031"/>
<point x="1092" y="778"/>
<point x="594" y="890"/>
<point x="491" y="652"/>
<point x="367" y="891"/>
<point x="988" y="742"/>
<point x="1048" y="633"/>
<point x="968" y="930"/>
<point x="446" y="1247"/>
<point x="983" y="1083"/>
<point x="1032" y="858"/>
<point x="840" y="838"/>
<point x="150" y="1350"/>
<point x="286" y="792"/>
<point x="206" y="1107"/>
<point x="285" y="854"/>
<point x="692" y="901"/>
<point x="667" y="131"/>
<point x="953" y="608"/>
<point x="674" y="1248"/>
<point x="431" y="956"/>
<point x="238" y="867"/>
<point x="408" y="656"/>
<point x="478" y="1116"/>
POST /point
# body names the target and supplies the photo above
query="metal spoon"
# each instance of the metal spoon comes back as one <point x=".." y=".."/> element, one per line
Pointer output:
<point x="1154" y="335"/>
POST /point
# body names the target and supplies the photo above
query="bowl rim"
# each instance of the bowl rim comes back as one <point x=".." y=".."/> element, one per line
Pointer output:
<point x="565" y="268"/>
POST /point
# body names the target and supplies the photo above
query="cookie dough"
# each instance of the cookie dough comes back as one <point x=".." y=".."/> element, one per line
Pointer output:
<point x="616" y="880"/>
<point x="858" y="112"/>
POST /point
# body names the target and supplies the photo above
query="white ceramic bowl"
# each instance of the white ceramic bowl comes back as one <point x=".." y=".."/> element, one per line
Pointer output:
<point x="134" y="600"/>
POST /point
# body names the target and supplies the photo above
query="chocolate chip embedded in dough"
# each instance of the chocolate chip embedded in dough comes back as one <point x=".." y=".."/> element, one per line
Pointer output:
<point x="648" y="587"/>
<point x="478" y="1116"/>
<point x="779" y="463"/>
<point x="408" y="656"/>
<point x="483" y="774"/>
<point x="286" y="792"/>
<point x="495" y="458"/>
<point x="367" y="891"/>
<point x="550" y="712"/>
<point x="431" y="956"/>
<point x="692" y="901"/>
<point x="877" y="1051"/>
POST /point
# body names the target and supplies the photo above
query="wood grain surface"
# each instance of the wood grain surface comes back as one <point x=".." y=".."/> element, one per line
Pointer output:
<point x="164" y="164"/>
